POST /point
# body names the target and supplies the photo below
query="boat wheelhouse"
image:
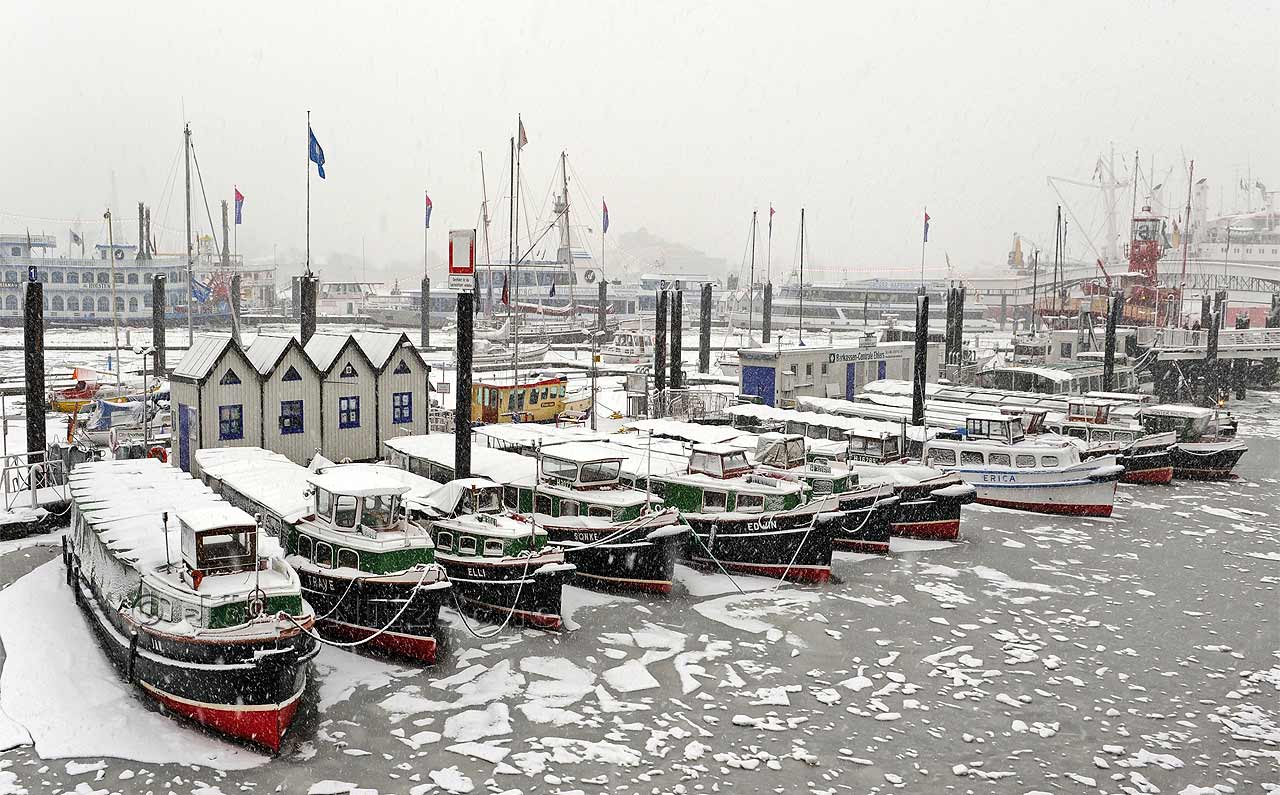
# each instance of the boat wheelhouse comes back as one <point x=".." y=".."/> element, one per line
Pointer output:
<point x="1206" y="449"/>
<point x="1011" y="471"/>
<point x="752" y="523"/>
<point x="1065" y="378"/>
<point x="188" y="599"/>
<point x="501" y="567"/>
<point x="628" y="347"/>
<point x="1146" y="457"/>
<point x="538" y="400"/>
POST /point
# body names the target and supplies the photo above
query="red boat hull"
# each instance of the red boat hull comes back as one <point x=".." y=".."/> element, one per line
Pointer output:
<point x="417" y="647"/>
<point x="263" y="725"/>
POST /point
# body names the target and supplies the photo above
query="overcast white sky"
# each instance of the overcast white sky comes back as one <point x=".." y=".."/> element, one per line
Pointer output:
<point x="685" y="115"/>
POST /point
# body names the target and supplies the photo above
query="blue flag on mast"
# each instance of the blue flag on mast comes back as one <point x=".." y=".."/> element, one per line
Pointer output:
<point x="315" y="152"/>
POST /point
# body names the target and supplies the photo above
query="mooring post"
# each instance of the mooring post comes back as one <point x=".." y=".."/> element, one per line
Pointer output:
<point x="920" y="361"/>
<point x="659" y="351"/>
<point x="424" y="313"/>
<point x="704" y="330"/>
<point x="295" y="296"/>
<point x="310" y="285"/>
<point x="235" y="303"/>
<point x="462" y="395"/>
<point x="1109" y="345"/>
<point x="675" y="381"/>
<point x="766" y="317"/>
<point x="33" y="360"/>
<point x="158" y="283"/>
<point x="602" y="306"/>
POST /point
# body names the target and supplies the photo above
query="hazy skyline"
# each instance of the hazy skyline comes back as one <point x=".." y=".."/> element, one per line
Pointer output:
<point x="686" y="117"/>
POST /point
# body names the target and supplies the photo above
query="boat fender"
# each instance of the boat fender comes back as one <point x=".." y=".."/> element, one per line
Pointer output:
<point x="159" y="453"/>
<point x="133" y="653"/>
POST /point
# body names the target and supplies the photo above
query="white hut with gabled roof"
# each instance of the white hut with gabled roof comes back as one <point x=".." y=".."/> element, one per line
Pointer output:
<point x="291" y="416"/>
<point x="402" y="383"/>
<point x="216" y="399"/>
<point x="348" y="397"/>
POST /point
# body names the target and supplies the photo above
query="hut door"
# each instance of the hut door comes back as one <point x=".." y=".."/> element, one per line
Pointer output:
<point x="489" y="411"/>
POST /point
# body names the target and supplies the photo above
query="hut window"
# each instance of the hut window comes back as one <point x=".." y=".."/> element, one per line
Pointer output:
<point x="402" y="368"/>
<point x="349" y="412"/>
<point x="290" y="416"/>
<point x="401" y="407"/>
<point x="348" y="558"/>
<point x="348" y="372"/>
<point x="344" y="511"/>
<point x="291" y="374"/>
<point x="1026" y="461"/>
<point x="229" y="378"/>
<point x="324" y="554"/>
<point x="231" y="422"/>
<point x="444" y="541"/>
<point x="493" y="548"/>
<point x="466" y="545"/>
<point x="714" y="501"/>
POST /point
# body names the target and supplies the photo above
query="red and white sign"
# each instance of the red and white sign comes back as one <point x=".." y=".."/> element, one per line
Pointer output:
<point x="462" y="259"/>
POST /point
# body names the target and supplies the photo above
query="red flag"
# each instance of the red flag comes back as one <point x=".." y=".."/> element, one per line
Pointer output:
<point x="524" y="138"/>
<point x="506" y="298"/>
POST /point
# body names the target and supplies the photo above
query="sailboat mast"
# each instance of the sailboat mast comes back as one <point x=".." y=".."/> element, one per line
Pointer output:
<point x="488" y="255"/>
<point x="751" y="285"/>
<point x="186" y="148"/>
<point x="802" y="276"/>
<point x="515" y="237"/>
<point x="567" y="235"/>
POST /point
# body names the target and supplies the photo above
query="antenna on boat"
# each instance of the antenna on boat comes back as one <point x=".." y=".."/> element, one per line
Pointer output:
<point x="164" y="519"/>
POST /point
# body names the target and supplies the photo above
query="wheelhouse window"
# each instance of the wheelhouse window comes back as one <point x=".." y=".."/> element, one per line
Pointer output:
<point x="750" y="503"/>
<point x="568" y="508"/>
<point x="305" y="547"/>
<point x="942" y="457"/>
<point x="466" y="545"/>
<point x="324" y="555"/>
<point x="231" y="422"/>
<point x="1048" y="460"/>
<point x="324" y="504"/>
<point x="380" y="511"/>
<point x="444" y="540"/>
<point x="714" y="501"/>
<point x="559" y="469"/>
<point x="493" y="548"/>
<point x="599" y="511"/>
<point x="542" y="504"/>
<point x="999" y="460"/>
<point x="1026" y="461"/>
<point x="600" y="471"/>
<point x="971" y="457"/>
<point x="344" y="511"/>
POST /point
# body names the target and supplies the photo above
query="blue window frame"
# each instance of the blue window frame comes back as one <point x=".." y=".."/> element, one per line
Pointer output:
<point x="231" y="422"/>
<point x="349" y="412"/>
<point x="290" y="416"/>
<point x="401" y="407"/>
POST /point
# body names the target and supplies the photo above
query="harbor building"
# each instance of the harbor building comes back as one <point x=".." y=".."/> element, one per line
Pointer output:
<point x="778" y="374"/>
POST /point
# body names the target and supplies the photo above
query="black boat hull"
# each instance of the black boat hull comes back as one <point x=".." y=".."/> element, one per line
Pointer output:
<point x="794" y="545"/>
<point x="530" y="591"/>
<point x="1206" y="460"/>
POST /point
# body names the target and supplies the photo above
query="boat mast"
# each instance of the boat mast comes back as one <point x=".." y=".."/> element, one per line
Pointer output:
<point x="566" y="242"/>
<point x="1186" y="240"/>
<point x="802" y="276"/>
<point x="488" y="255"/>
<point x="510" y="285"/>
<point x="186" y="148"/>
<point x="115" y="316"/>
<point x="751" y="285"/>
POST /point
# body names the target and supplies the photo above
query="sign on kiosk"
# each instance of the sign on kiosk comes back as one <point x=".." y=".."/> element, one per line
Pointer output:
<point x="462" y="259"/>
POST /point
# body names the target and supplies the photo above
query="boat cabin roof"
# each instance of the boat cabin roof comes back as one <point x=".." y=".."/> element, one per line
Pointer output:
<point x="579" y="453"/>
<point x="357" y="483"/>
<point x="1177" y="410"/>
<point x="215" y="517"/>
<point x="717" y="449"/>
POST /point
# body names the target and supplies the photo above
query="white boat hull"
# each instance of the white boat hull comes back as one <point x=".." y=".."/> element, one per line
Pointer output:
<point x="1085" y="489"/>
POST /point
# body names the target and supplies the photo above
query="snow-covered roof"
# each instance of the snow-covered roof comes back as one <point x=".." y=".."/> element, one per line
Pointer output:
<point x="445" y="499"/>
<point x="416" y="485"/>
<point x="717" y="449"/>
<point x="265" y="351"/>
<point x="502" y="466"/>
<point x="323" y="349"/>
<point x="200" y="357"/>
<point x="379" y="345"/>
<point x="1177" y="410"/>
<point x="357" y="483"/>
<point x="216" y="516"/>
<point x="691" y="431"/>
<point x="525" y="434"/>
<point x="1048" y="373"/>
<point x="579" y="452"/>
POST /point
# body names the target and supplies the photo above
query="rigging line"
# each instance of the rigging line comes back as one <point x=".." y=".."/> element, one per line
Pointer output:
<point x="354" y="644"/>
<point x="212" y="231"/>
<point x="166" y="193"/>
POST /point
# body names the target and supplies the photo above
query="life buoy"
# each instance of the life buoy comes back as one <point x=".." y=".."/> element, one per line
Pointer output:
<point x="160" y="453"/>
<point x="256" y="603"/>
<point x="119" y="253"/>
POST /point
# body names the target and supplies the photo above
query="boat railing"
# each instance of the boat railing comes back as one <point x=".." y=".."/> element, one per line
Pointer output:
<point x="25" y="474"/>
<point x="440" y="421"/>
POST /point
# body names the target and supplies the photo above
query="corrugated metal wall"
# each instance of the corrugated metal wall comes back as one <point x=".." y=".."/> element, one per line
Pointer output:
<point x="297" y="447"/>
<point x="360" y="443"/>
<point x="415" y="383"/>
